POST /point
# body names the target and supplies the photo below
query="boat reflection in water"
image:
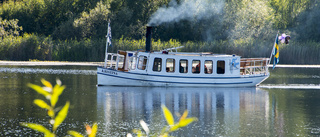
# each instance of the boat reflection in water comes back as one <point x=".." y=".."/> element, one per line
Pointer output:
<point x="221" y="111"/>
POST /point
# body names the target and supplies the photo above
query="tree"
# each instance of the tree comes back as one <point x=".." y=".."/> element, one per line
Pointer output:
<point x="9" y="28"/>
<point x="93" y="23"/>
<point x="287" y="11"/>
<point x="248" y="19"/>
<point x="308" y="24"/>
<point x="130" y="18"/>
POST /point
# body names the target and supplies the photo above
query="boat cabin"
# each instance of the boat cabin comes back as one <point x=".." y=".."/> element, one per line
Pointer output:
<point x="188" y="64"/>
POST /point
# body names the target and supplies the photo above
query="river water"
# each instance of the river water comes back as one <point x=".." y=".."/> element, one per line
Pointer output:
<point x="286" y="104"/>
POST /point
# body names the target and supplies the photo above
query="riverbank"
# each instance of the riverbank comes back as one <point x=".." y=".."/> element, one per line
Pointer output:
<point x="48" y="63"/>
<point x="295" y="66"/>
<point x="61" y="63"/>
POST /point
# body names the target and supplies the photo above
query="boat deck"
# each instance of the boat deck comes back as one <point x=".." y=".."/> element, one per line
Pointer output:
<point x="251" y="66"/>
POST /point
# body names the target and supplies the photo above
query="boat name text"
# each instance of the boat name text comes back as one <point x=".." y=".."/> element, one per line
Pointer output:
<point x="110" y="72"/>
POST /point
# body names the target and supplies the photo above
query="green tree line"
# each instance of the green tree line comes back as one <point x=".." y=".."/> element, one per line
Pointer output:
<point x="75" y="30"/>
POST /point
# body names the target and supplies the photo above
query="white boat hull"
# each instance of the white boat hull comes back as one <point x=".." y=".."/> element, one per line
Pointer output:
<point x="109" y="77"/>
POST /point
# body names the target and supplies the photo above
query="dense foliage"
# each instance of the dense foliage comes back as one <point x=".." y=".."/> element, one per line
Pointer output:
<point x="75" y="30"/>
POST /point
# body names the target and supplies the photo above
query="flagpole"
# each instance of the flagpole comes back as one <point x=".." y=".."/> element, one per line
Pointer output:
<point x="107" y="44"/>
<point x="274" y="45"/>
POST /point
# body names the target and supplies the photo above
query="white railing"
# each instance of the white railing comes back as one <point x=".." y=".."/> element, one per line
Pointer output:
<point x="112" y="61"/>
<point x="253" y="66"/>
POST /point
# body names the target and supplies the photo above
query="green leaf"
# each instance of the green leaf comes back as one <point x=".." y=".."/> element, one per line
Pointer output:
<point x="51" y="113"/>
<point x="49" y="135"/>
<point x="184" y="115"/>
<point x="56" y="92"/>
<point x="61" y="116"/>
<point x="182" y="123"/>
<point x="94" y="130"/>
<point x="75" y="133"/>
<point x="164" y="135"/>
<point x="39" y="128"/>
<point x="46" y="83"/>
<point x="187" y="121"/>
<point x="40" y="90"/>
<point x="41" y="104"/>
<point x="138" y="132"/>
<point x="167" y="115"/>
<point x="174" y="127"/>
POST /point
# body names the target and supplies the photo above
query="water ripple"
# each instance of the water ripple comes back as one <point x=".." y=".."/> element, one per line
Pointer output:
<point x="47" y="71"/>
<point x="290" y="86"/>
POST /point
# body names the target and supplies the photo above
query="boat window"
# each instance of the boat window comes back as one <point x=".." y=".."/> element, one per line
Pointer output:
<point x="113" y="62"/>
<point x="208" y="67"/>
<point x="121" y="61"/>
<point x="132" y="63"/>
<point x="183" y="66"/>
<point x="170" y="65"/>
<point x="109" y="58"/>
<point x="196" y="66"/>
<point x="142" y="63"/>
<point x="157" y="64"/>
<point x="220" y="67"/>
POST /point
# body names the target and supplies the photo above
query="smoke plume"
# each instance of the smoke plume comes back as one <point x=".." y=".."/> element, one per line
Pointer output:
<point x="186" y="10"/>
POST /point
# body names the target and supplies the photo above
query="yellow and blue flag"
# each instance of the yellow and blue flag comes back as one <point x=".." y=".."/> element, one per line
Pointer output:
<point x="276" y="52"/>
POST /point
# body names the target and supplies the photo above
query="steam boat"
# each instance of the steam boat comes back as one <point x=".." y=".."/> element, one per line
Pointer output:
<point x="180" y="69"/>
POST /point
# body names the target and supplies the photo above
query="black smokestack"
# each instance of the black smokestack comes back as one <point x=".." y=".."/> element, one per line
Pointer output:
<point x="148" y="39"/>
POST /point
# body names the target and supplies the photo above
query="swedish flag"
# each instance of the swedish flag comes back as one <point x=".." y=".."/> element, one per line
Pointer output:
<point x="276" y="52"/>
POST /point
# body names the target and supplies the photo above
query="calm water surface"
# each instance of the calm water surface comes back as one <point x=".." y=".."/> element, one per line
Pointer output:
<point x="275" y="110"/>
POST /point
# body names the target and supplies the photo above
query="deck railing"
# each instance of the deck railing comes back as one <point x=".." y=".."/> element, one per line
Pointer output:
<point x="115" y="61"/>
<point x="253" y="66"/>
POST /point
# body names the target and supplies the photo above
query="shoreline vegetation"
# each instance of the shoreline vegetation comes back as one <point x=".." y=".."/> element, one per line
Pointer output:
<point x="34" y="47"/>
<point x="96" y="64"/>
<point x="53" y="30"/>
<point x="48" y="63"/>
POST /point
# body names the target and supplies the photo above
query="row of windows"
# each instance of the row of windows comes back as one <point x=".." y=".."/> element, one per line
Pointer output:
<point x="196" y="65"/>
<point x="183" y="66"/>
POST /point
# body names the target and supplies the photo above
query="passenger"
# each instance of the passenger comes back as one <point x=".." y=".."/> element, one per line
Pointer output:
<point x="181" y="69"/>
<point x="197" y="68"/>
<point x="193" y="69"/>
<point x="205" y="69"/>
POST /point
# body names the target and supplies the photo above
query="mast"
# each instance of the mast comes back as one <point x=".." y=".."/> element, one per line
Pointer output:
<point x="274" y="45"/>
<point x="108" y="43"/>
